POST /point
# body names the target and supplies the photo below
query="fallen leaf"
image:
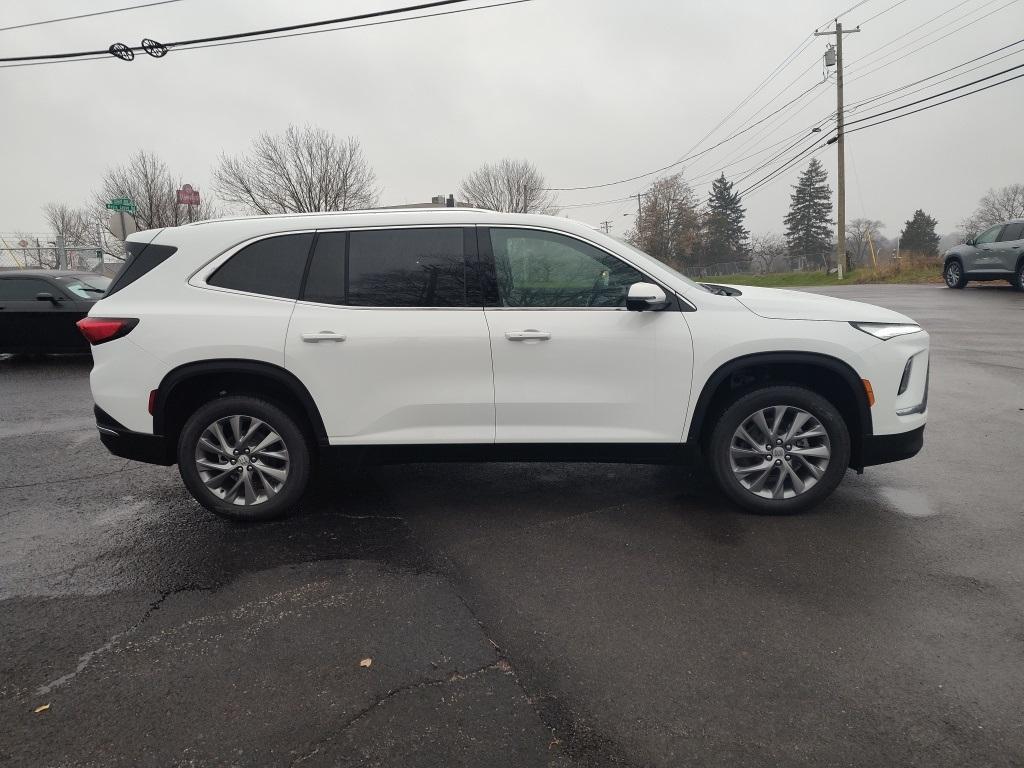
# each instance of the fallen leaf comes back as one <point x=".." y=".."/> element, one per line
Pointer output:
<point x="41" y="708"/>
<point x="366" y="662"/>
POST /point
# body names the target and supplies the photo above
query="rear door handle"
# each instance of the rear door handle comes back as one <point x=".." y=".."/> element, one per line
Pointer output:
<point x="313" y="338"/>
<point x="527" y="334"/>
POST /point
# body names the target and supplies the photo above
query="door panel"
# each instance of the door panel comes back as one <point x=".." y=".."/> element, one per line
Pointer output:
<point x="388" y="341"/>
<point x="1010" y="245"/>
<point x="571" y="364"/>
<point x="601" y="376"/>
<point x="27" y="324"/>
<point x="985" y="256"/>
<point x="399" y="375"/>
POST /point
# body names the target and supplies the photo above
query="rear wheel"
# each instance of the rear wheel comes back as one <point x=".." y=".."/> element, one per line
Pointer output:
<point x="1018" y="278"/>
<point x="244" y="458"/>
<point x="779" y="450"/>
<point x="953" y="274"/>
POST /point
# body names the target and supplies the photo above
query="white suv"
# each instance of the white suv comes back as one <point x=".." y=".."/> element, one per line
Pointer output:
<point x="242" y="349"/>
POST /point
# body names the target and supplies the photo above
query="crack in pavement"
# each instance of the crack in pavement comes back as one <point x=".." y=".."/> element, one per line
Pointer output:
<point x="86" y="658"/>
<point x="499" y="664"/>
<point x="72" y="479"/>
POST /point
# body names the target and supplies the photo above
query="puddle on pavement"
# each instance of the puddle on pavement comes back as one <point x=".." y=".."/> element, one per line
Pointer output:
<point x="908" y="503"/>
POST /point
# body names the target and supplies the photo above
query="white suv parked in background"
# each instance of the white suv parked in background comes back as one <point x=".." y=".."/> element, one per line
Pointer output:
<point x="240" y="349"/>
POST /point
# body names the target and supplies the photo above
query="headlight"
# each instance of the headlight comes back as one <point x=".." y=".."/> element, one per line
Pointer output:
<point x="886" y="331"/>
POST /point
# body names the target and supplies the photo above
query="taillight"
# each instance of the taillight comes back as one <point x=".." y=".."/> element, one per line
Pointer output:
<point x="100" y="329"/>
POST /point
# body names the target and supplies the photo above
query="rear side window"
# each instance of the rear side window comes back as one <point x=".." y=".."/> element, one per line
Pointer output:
<point x="24" y="288"/>
<point x="270" y="267"/>
<point x="390" y="268"/>
<point x="140" y="259"/>
<point x="1013" y="231"/>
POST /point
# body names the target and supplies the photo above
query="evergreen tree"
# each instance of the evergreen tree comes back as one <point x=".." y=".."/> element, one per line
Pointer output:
<point x="919" y="235"/>
<point x="725" y="238"/>
<point x="809" y="222"/>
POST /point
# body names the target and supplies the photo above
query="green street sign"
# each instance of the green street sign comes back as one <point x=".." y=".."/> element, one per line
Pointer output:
<point x="122" y="204"/>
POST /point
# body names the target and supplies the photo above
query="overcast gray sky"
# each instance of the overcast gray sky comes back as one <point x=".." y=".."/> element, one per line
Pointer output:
<point x="589" y="90"/>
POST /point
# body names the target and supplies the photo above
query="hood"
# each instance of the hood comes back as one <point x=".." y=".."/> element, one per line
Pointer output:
<point x="778" y="304"/>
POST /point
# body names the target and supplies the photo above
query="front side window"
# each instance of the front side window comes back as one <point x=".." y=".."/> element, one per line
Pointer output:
<point x="270" y="267"/>
<point x="1013" y="231"/>
<point x="389" y="268"/>
<point x="25" y="288"/>
<point x="545" y="269"/>
<point x="989" y="235"/>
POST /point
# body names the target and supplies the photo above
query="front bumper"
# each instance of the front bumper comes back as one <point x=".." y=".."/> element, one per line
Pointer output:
<point x="137" y="446"/>
<point x="883" y="449"/>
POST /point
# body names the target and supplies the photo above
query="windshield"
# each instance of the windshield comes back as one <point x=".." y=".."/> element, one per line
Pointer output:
<point x="86" y="286"/>
<point x="663" y="265"/>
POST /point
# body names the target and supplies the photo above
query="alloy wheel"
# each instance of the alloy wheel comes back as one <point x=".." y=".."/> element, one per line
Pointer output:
<point x="952" y="274"/>
<point x="242" y="460"/>
<point x="779" y="452"/>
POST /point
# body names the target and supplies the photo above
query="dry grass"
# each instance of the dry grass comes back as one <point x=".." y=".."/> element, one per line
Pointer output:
<point x="911" y="269"/>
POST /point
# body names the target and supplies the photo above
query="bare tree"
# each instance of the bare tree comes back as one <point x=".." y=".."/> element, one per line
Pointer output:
<point x="995" y="207"/>
<point x="668" y="226"/>
<point x="861" y="235"/>
<point x="512" y="186"/>
<point x="148" y="182"/>
<point x="768" y="251"/>
<point x="302" y="170"/>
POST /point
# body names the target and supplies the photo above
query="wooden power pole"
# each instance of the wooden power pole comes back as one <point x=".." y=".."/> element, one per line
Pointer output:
<point x="841" y="165"/>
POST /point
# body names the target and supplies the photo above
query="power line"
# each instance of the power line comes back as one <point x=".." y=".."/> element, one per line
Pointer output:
<point x="87" y="15"/>
<point x="106" y="55"/>
<point x="936" y="40"/>
<point x="852" y="8"/>
<point x="881" y="12"/>
<point x="936" y="104"/>
<point x="936" y="95"/>
<point x="242" y="35"/>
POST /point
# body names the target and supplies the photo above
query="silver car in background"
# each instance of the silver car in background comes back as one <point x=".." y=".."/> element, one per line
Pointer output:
<point x="995" y="254"/>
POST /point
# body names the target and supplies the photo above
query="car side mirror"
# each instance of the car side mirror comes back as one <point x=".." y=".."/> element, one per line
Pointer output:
<point x="47" y="297"/>
<point x="643" y="297"/>
<point x="970" y="241"/>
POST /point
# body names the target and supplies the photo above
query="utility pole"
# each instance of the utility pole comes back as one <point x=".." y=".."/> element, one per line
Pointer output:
<point x="840" y="146"/>
<point x="61" y="255"/>
<point x="605" y="226"/>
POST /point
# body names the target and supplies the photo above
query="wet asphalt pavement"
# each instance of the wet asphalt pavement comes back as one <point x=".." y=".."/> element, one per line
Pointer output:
<point x="576" y="615"/>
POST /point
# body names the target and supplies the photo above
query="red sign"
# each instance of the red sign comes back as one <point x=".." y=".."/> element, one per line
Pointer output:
<point x="187" y="195"/>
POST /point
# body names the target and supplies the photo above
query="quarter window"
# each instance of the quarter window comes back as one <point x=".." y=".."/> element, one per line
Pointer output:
<point x="25" y="289"/>
<point x="989" y="235"/>
<point x="389" y="268"/>
<point x="270" y="267"/>
<point x="1013" y="231"/>
<point x="544" y="269"/>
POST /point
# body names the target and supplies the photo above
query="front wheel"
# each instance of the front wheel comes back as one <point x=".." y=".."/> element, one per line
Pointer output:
<point x="953" y="274"/>
<point x="244" y="458"/>
<point x="779" y="450"/>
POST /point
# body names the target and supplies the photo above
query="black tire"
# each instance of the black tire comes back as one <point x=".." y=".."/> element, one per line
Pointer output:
<point x="287" y="427"/>
<point x="953" y="274"/>
<point x="1018" y="277"/>
<point x="721" y="443"/>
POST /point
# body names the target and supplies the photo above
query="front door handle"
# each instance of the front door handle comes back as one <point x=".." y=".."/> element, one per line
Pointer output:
<point x="313" y="338"/>
<point x="530" y="333"/>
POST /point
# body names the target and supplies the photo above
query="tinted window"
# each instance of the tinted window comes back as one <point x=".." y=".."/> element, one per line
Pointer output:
<point x="25" y="288"/>
<point x="989" y="235"/>
<point x="544" y="269"/>
<point x="271" y="267"/>
<point x="389" y="268"/>
<point x="141" y="258"/>
<point x="1012" y="232"/>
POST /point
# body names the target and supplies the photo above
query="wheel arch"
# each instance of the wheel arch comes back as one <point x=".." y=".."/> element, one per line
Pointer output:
<point x="829" y="376"/>
<point x="189" y="385"/>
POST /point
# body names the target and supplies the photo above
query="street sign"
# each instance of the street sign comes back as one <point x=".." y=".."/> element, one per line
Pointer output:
<point x="188" y="195"/>
<point x="122" y="204"/>
<point x="120" y="225"/>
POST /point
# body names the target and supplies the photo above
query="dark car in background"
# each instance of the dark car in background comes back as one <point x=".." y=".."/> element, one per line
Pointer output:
<point x="39" y="309"/>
